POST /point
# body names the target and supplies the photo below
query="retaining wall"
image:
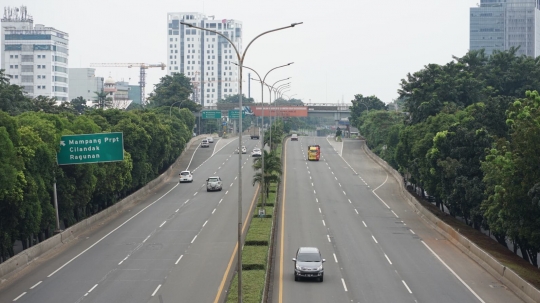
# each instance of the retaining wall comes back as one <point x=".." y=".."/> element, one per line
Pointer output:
<point x="20" y="261"/>
<point x="508" y="277"/>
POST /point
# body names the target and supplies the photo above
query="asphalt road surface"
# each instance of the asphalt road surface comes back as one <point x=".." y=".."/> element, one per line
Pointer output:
<point x="376" y="248"/>
<point x="176" y="246"/>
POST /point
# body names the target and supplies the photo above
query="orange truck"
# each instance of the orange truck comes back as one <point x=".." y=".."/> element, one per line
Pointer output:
<point x="314" y="152"/>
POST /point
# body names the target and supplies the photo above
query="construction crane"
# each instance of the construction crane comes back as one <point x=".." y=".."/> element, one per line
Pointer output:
<point x="142" y="66"/>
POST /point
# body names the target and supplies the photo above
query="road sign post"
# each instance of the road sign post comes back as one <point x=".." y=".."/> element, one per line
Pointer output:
<point x="91" y="148"/>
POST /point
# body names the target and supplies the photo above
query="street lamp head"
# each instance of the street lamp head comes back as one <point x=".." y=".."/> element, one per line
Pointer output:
<point x="290" y="63"/>
<point x="189" y="25"/>
<point x="297" y="23"/>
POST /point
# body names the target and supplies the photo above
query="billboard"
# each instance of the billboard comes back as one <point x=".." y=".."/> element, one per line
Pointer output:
<point x="280" y="111"/>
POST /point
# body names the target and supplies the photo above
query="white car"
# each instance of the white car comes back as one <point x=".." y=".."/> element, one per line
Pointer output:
<point x="210" y="139"/>
<point x="186" y="176"/>
<point x="244" y="150"/>
<point x="256" y="152"/>
<point x="204" y="143"/>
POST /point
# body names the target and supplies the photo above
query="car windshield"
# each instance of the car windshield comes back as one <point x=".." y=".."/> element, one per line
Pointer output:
<point x="308" y="257"/>
<point x="185" y="173"/>
<point x="213" y="179"/>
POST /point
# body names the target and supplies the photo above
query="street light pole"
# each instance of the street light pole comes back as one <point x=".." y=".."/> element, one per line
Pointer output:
<point x="275" y="112"/>
<point x="240" y="58"/>
<point x="170" y="108"/>
<point x="263" y="184"/>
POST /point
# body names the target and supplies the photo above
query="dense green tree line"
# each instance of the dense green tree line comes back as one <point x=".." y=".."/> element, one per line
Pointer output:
<point x="469" y="136"/>
<point x="30" y="132"/>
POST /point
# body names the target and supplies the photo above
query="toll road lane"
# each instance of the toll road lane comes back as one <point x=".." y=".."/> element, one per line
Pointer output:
<point x="132" y="254"/>
<point x="300" y="224"/>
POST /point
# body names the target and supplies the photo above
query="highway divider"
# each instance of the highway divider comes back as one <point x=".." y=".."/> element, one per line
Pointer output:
<point x="507" y="276"/>
<point x="26" y="257"/>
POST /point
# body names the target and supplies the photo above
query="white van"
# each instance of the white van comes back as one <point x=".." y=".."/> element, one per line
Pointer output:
<point x="204" y="143"/>
<point x="294" y="137"/>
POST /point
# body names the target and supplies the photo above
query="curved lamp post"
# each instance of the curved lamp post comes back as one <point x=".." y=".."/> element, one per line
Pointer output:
<point x="240" y="58"/>
<point x="275" y="113"/>
<point x="170" y="108"/>
<point x="261" y="130"/>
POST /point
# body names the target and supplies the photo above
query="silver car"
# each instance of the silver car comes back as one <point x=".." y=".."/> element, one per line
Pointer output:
<point x="213" y="184"/>
<point x="308" y="264"/>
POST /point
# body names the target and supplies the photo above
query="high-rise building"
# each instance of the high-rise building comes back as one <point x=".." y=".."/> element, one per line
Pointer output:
<point x="502" y="24"/>
<point x="84" y="83"/>
<point x="34" y="57"/>
<point x="204" y="57"/>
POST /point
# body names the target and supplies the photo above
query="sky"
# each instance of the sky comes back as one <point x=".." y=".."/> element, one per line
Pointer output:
<point x="343" y="48"/>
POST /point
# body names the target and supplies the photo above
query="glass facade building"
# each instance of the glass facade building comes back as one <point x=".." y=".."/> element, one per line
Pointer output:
<point x="502" y="24"/>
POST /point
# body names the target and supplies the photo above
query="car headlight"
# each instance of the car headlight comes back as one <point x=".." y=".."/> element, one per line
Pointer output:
<point x="298" y="267"/>
<point x="319" y="268"/>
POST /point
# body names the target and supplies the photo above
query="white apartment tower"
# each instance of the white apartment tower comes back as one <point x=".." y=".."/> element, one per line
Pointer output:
<point x="34" y="57"/>
<point x="204" y="57"/>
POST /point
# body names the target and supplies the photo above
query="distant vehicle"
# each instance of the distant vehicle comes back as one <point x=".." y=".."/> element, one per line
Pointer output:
<point x="294" y="137"/>
<point x="213" y="184"/>
<point x="314" y="152"/>
<point x="186" y="176"/>
<point x="204" y="143"/>
<point x="254" y="133"/>
<point x="210" y="140"/>
<point x="244" y="150"/>
<point x="308" y="264"/>
<point x="256" y="152"/>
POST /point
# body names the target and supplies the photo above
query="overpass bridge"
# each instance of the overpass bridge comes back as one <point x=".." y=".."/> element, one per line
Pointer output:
<point x="327" y="111"/>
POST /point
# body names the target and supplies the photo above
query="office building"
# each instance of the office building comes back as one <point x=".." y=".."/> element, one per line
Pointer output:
<point x="204" y="57"/>
<point x="34" y="57"/>
<point x="84" y="83"/>
<point x="134" y="93"/>
<point x="502" y="24"/>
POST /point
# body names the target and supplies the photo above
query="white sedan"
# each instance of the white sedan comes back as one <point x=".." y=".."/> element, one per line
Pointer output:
<point x="210" y="139"/>
<point x="244" y="150"/>
<point x="186" y="176"/>
<point x="256" y="152"/>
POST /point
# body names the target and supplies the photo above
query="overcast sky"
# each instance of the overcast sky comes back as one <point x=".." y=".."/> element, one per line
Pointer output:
<point x="344" y="47"/>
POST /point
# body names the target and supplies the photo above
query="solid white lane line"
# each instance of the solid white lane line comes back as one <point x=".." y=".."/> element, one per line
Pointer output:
<point x="395" y="214"/>
<point x="195" y="193"/>
<point x="320" y="210"/>
<point x="412" y="231"/>
<point x="213" y="211"/>
<point x="373" y="191"/>
<point x="344" y="286"/>
<point x="155" y="291"/>
<point x="364" y="223"/>
<point x="374" y="239"/>
<point x="102" y="238"/>
<point x="177" y="210"/>
<point x="323" y="223"/>
<point x="205" y="223"/>
<point x="163" y="223"/>
<point x="453" y="272"/>
<point x="24" y="293"/>
<point x="406" y="286"/>
<point x="193" y="239"/>
<point x="176" y="263"/>
<point x="220" y="201"/>
<point x="36" y="285"/>
<point x="356" y="211"/>
<point x="388" y="259"/>
<point x="335" y="258"/>
<point x="328" y="238"/>
<point x="349" y="201"/>
<point x="146" y="238"/>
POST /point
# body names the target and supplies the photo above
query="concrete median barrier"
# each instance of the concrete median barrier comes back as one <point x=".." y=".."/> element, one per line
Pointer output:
<point x="513" y="281"/>
<point x="27" y="256"/>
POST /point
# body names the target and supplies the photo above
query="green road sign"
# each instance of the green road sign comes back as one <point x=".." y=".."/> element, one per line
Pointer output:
<point x="91" y="148"/>
<point x="234" y="114"/>
<point x="211" y="114"/>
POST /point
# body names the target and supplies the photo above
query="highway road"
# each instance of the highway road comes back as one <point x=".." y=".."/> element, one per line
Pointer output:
<point x="376" y="248"/>
<point x="176" y="246"/>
